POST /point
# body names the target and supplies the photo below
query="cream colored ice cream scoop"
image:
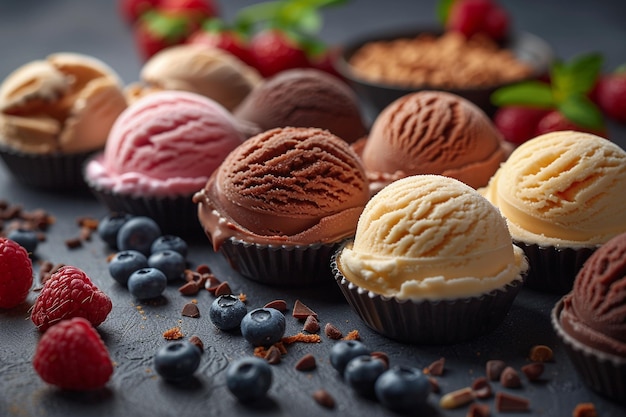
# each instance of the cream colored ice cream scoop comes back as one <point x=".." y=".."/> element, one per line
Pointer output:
<point x="562" y="188"/>
<point x="433" y="237"/>
<point x="210" y="72"/>
<point x="65" y="103"/>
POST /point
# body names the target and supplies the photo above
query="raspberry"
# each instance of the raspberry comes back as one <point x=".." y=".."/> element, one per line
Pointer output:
<point x="16" y="273"/>
<point x="70" y="293"/>
<point x="518" y="124"/>
<point x="555" y="121"/>
<point x="72" y="356"/>
<point x="611" y="95"/>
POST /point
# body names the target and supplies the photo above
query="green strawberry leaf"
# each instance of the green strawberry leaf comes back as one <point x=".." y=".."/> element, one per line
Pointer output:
<point x="442" y="10"/>
<point x="577" y="76"/>
<point x="527" y="93"/>
<point x="579" y="109"/>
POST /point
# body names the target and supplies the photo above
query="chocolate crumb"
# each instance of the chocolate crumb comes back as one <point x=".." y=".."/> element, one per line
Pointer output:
<point x="494" y="369"/>
<point x="508" y="402"/>
<point x="332" y="332"/>
<point x="510" y="378"/>
<point x="192" y="276"/>
<point x="478" y="410"/>
<point x="481" y="388"/>
<point x="381" y="356"/>
<point x="533" y="371"/>
<point x="585" y="410"/>
<point x="301" y="311"/>
<point x="280" y="305"/>
<point x="435" y="368"/>
<point x="203" y="269"/>
<point x="223" y="289"/>
<point x="273" y="355"/>
<point x="73" y="243"/>
<point x="323" y="398"/>
<point x="540" y="353"/>
<point x="189" y="288"/>
<point x="191" y="310"/>
<point x="195" y="340"/>
<point x="311" y="325"/>
<point x="212" y="283"/>
<point x="306" y="363"/>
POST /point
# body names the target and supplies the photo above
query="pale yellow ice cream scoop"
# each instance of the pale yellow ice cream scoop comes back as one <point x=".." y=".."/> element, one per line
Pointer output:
<point x="431" y="237"/>
<point x="562" y="188"/>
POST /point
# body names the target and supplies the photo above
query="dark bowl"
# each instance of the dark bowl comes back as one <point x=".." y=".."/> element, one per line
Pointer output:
<point x="525" y="46"/>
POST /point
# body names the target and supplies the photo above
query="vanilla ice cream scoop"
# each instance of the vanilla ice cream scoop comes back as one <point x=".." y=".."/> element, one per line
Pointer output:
<point x="65" y="103"/>
<point x="431" y="237"/>
<point x="562" y="188"/>
<point x="210" y="72"/>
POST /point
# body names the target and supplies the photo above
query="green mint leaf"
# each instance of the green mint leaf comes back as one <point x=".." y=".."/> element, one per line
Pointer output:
<point x="578" y="76"/>
<point x="442" y="10"/>
<point x="527" y="93"/>
<point x="249" y="16"/>
<point x="298" y="16"/>
<point x="579" y="109"/>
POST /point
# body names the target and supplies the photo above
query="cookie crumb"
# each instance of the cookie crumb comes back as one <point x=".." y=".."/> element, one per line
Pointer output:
<point x="173" y="334"/>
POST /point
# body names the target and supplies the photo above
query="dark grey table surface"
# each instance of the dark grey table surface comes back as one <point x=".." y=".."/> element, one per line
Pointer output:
<point x="31" y="29"/>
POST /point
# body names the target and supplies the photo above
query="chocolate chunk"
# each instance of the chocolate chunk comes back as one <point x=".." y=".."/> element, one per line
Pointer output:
<point x="73" y="243"/>
<point x="223" y="289"/>
<point x="311" y="325"/>
<point x="533" y="371"/>
<point x="436" y="368"/>
<point x="189" y="288"/>
<point x="301" y="311"/>
<point x="511" y="403"/>
<point x="195" y="340"/>
<point x="306" y="363"/>
<point x="494" y="369"/>
<point x="280" y="305"/>
<point x="203" y="269"/>
<point x="332" y="332"/>
<point x="482" y="388"/>
<point x="191" y="310"/>
<point x="540" y="353"/>
<point x="273" y="355"/>
<point x="510" y="378"/>
<point x="211" y="283"/>
<point x="478" y="410"/>
<point x="323" y="398"/>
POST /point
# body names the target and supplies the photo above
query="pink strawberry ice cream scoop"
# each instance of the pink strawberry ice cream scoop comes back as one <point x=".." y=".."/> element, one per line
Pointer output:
<point x="167" y="143"/>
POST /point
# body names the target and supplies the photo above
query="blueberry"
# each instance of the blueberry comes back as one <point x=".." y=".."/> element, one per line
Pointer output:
<point x="138" y="233"/>
<point x="227" y="311"/>
<point x="361" y="374"/>
<point x="177" y="360"/>
<point x="343" y="351"/>
<point x="402" y="388"/>
<point x="110" y="225"/>
<point x="249" y="378"/>
<point x="263" y="326"/>
<point x="26" y="238"/>
<point x="171" y="263"/>
<point x="169" y="242"/>
<point x="147" y="283"/>
<point x="125" y="263"/>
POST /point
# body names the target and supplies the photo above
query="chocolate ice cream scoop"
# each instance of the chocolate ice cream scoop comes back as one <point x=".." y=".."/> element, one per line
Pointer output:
<point x="594" y="312"/>
<point x="304" y="98"/>
<point x="433" y="132"/>
<point x="287" y="185"/>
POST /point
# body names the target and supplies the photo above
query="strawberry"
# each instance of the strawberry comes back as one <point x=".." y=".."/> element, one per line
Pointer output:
<point x="72" y="356"/>
<point x="157" y="30"/>
<point x="273" y="50"/>
<point x="518" y="123"/>
<point x="471" y="17"/>
<point x="16" y="273"/>
<point x="555" y="121"/>
<point x="610" y="95"/>
<point x="69" y="293"/>
<point x="131" y="10"/>
<point x="214" y="34"/>
<point x="196" y="10"/>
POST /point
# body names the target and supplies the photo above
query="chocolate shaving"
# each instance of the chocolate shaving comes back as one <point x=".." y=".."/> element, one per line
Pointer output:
<point x="195" y="340"/>
<point x="311" y="325"/>
<point x="280" y="305"/>
<point x="301" y="311"/>
<point x="73" y="243"/>
<point x="211" y="283"/>
<point x="478" y="410"/>
<point x="273" y="355"/>
<point x="191" y="310"/>
<point x="435" y="368"/>
<point x="510" y="378"/>
<point x="306" y="363"/>
<point x="332" y="332"/>
<point x="508" y="402"/>
<point x="203" y="269"/>
<point x="189" y="288"/>
<point x="494" y="369"/>
<point x="223" y="289"/>
<point x="323" y="398"/>
<point x="533" y="371"/>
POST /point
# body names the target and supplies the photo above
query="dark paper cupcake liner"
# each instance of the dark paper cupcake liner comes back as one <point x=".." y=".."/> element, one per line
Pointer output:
<point x="54" y="171"/>
<point x="176" y="215"/>
<point x="553" y="269"/>
<point x="600" y="371"/>
<point x="281" y="265"/>
<point x="428" y="322"/>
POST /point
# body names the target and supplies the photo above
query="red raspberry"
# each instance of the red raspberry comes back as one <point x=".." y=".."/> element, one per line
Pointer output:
<point x="69" y="293"/>
<point x="555" y="121"/>
<point x="72" y="356"/>
<point x="518" y="124"/>
<point x="16" y="273"/>
<point x="610" y="94"/>
<point x="470" y="17"/>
